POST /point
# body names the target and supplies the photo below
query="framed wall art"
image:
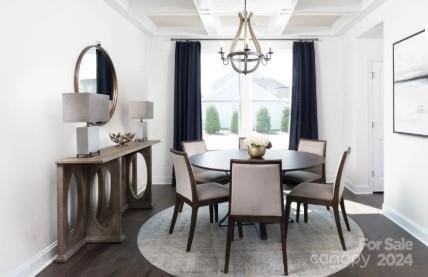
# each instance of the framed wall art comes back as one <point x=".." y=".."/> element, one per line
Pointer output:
<point x="410" y="62"/>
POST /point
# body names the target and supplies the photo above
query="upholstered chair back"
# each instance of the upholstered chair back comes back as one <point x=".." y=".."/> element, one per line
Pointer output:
<point x="256" y="188"/>
<point x="242" y="144"/>
<point x="193" y="148"/>
<point x="183" y="174"/>
<point x="317" y="147"/>
<point x="338" y="186"/>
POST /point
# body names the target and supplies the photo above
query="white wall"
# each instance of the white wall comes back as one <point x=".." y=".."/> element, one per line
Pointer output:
<point x="40" y="42"/>
<point x="406" y="194"/>
<point x="329" y="98"/>
<point x="161" y="90"/>
<point x="357" y="56"/>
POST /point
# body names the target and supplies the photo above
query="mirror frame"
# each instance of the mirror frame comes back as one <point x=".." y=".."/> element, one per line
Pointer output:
<point x="113" y="71"/>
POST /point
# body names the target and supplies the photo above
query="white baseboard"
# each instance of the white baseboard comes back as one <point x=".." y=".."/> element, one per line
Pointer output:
<point x="37" y="263"/>
<point x="407" y="224"/>
<point x="357" y="189"/>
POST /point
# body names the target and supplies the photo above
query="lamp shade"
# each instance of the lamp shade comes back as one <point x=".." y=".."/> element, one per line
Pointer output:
<point x="141" y="110"/>
<point x="85" y="107"/>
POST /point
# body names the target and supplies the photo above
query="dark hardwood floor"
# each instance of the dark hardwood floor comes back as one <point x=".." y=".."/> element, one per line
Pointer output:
<point x="124" y="259"/>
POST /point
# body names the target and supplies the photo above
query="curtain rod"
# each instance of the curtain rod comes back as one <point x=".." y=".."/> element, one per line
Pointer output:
<point x="271" y="39"/>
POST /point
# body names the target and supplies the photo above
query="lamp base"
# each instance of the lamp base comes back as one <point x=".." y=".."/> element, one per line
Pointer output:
<point x="141" y="131"/>
<point x="87" y="141"/>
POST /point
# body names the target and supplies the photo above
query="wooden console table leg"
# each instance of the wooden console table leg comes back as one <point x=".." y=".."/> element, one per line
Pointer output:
<point x="144" y="199"/>
<point x="107" y="229"/>
<point x="70" y="238"/>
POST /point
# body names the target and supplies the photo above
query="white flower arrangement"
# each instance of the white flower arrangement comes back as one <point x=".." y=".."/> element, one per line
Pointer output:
<point x="257" y="141"/>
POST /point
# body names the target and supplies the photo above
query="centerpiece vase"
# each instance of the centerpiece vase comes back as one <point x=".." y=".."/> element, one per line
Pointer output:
<point x="256" y="151"/>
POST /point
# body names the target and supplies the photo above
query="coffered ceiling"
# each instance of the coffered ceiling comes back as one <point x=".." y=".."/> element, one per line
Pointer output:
<point x="218" y="18"/>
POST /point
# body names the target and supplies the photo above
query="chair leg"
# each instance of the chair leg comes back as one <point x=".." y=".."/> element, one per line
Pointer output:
<point x="181" y="207"/>
<point x="263" y="231"/>
<point x="230" y="230"/>
<point x="241" y="234"/>
<point x="305" y="212"/>
<point x="287" y="216"/>
<point x="216" y="212"/>
<point x="211" y="207"/>
<point x="345" y="216"/>
<point x="284" y="246"/>
<point x="174" y="216"/>
<point x="298" y="212"/>
<point x="339" y="227"/>
<point x="192" y="227"/>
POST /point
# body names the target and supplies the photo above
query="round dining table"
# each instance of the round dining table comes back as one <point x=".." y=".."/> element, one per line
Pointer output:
<point x="291" y="160"/>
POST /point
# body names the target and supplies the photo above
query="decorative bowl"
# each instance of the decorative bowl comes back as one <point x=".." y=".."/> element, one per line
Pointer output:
<point x="256" y="151"/>
<point x="122" y="139"/>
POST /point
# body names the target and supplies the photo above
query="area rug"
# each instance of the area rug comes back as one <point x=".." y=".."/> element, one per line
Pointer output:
<point x="313" y="248"/>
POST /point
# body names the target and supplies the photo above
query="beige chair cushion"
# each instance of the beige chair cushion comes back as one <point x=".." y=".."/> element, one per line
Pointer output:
<point x="211" y="191"/>
<point x="182" y="176"/>
<point x="302" y="176"/>
<point x="256" y="190"/>
<point x="313" y="191"/>
<point x="315" y="147"/>
<point x="242" y="144"/>
<point x="206" y="176"/>
<point x="194" y="147"/>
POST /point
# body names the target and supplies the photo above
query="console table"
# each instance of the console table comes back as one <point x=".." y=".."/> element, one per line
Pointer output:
<point x="103" y="223"/>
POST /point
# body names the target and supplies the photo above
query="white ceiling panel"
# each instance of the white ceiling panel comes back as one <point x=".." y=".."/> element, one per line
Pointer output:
<point x="311" y="21"/>
<point x="219" y="18"/>
<point x="174" y="21"/>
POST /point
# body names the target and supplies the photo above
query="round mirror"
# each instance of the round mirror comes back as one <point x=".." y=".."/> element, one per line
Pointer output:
<point x="95" y="73"/>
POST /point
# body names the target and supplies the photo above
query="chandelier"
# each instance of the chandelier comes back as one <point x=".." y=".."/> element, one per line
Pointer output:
<point x="245" y="60"/>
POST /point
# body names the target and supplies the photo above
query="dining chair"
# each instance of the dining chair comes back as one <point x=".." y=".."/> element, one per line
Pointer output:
<point x="329" y="195"/>
<point x="202" y="175"/>
<point x="316" y="174"/>
<point x="206" y="194"/>
<point x="242" y="144"/>
<point x="194" y="147"/>
<point x="255" y="196"/>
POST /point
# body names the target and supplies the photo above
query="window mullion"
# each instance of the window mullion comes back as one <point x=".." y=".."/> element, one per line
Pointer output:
<point x="245" y="104"/>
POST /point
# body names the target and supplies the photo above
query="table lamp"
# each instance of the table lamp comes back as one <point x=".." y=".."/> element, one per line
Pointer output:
<point x="141" y="110"/>
<point x="91" y="108"/>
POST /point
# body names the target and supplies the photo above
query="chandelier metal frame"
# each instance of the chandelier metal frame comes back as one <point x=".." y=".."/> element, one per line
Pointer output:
<point x="250" y="60"/>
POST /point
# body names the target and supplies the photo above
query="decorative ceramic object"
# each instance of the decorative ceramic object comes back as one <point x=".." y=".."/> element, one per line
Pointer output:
<point x="122" y="139"/>
<point x="256" y="151"/>
<point x="257" y="146"/>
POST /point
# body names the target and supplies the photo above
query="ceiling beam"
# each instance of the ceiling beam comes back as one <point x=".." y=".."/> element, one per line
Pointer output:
<point x="141" y="21"/>
<point x="210" y="21"/>
<point x="279" y="21"/>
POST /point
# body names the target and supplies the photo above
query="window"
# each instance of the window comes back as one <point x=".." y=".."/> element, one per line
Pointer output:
<point x="236" y="105"/>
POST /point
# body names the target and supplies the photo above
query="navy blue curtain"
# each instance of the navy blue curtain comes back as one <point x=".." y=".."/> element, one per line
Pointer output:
<point x="303" y="122"/>
<point x="104" y="75"/>
<point x="187" y="92"/>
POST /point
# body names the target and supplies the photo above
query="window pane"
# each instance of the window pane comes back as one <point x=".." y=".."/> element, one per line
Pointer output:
<point x="235" y="104"/>
<point x="220" y="103"/>
<point x="271" y="99"/>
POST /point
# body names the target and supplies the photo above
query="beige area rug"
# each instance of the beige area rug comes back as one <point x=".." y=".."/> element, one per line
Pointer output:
<point x="313" y="248"/>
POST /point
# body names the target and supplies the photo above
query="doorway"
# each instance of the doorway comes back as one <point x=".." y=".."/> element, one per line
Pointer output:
<point x="376" y="126"/>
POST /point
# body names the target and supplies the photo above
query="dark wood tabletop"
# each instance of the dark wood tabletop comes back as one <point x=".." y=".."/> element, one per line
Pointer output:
<point x="291" y="160"/>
